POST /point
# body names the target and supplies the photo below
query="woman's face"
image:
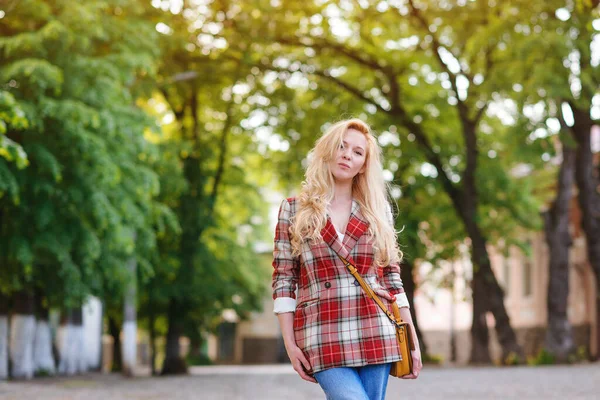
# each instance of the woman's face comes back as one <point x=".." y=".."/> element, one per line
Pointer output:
<point x="350" y="156"/>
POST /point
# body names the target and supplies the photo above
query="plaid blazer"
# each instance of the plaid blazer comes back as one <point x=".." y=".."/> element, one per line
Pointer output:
<point x="335" y="323"/>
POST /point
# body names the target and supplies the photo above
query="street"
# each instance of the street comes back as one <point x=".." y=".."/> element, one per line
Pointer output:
<point x="280" y="382"/>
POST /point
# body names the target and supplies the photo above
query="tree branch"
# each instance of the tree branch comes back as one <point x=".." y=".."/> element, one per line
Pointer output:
<point x="223" y="144"/>
<point x="367" y="61"/>
<point x="432" y="157"/>
<point x="343" y="85"/>
<point x="361" y="57"/>
<point x="480" y="113"/>
<point x="351" y="89"/>
<point x="178" y="113"/>
<point x="415" y="12"/>
<point x="221" y="163"/>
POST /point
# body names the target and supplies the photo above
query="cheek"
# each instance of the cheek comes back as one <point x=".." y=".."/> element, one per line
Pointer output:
<point x="360" y="164"/>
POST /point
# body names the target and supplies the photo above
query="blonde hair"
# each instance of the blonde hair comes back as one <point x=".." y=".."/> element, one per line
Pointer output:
<point x="368" y="188"/>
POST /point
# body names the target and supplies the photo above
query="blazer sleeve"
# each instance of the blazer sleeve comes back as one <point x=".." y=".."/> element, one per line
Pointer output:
<point x="391" y="274"/>
<point x="285" y="267"/>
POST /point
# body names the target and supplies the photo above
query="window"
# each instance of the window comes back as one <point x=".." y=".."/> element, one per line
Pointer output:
<point x="506" y="275"/>
<point x="226" y="335"/>
<point x="527" y="272"/>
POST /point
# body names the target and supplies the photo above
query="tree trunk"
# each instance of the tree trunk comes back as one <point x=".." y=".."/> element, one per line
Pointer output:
<point x="115" y="332"/>
<point x="73" y="358"/>
<point x="487" y="293"/>
<point x="130" y="323"/>
<point x="62" y="341"/>
<point x="596" y="356"/>
<point x="3" y="337"/>
<point x="195" y="346"/>
<point x="174" y="363"/>
<point x="406" y="273"/>
<point x="480" y="338"/>
<point x="43" y="359"/>
<point x="589" y="200"/>
<point x="92" y="328"/>
<point x="177" y="310"/>
<point x="559" y="336"/>
<point x="81" y="354"/>
<point x="22" y="335"/>
<point x="452" y="312"/>
<point x="489" y="296"/>
<point x="152" y="328"/>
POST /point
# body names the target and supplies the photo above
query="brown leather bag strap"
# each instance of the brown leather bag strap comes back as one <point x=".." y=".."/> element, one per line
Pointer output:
<point x="367" y="288"/>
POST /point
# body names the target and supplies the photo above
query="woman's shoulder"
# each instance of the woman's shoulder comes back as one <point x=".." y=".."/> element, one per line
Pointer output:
<point x="289" y="203"/>
<point x="291" y="200"/>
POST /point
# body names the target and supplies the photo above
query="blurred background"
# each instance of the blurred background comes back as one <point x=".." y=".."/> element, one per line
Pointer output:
<point x="145" y="147"/>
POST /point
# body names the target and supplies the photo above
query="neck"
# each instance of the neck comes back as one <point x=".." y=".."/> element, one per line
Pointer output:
<point x="342" y="192"/>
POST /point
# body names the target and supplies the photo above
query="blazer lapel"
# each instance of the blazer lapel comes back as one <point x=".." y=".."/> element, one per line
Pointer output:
<point x="357" y="225"/>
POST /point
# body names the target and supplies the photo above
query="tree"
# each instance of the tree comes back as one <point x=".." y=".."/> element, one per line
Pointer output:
<point x="559" y="337"/>
<point x="556" y="70"/>
<point x="11" y="117"/>
<point x="87" y="188"/>
<point x="204" y="267"/>
<point x="412" y="65"/>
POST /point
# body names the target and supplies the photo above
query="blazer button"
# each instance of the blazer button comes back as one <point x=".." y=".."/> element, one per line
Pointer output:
<point x="356" y="283"/>
<point x="327" y="285"/>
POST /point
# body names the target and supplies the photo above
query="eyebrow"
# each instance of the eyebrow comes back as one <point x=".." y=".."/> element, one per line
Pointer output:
<point x="343" y="141"/>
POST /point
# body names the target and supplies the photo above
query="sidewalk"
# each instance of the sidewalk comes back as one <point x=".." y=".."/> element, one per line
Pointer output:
<point x="271" y="382"/>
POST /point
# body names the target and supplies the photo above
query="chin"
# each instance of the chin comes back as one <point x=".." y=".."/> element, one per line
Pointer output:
<point x="342" y="178"/>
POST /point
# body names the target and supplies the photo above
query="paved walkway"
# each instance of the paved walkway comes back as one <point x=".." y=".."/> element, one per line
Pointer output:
<point x="280" y="382"/>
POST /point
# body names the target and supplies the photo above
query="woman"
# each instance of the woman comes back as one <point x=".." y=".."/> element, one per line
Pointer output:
<point x="334" y="334"/>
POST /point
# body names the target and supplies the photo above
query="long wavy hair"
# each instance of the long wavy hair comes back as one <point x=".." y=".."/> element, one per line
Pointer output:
<point x="368" y="188"/>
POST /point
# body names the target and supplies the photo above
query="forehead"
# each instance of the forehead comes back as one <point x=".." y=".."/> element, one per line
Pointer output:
<point x="355" y="138"/>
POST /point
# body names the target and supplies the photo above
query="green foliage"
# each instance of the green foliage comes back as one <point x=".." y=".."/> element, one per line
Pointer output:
<point x="200" y="359"/>
<point x="581" y="354"/>
<point x="12" y="117"/>
<point x="544" y="357"/>
<point x="42" y="373"/>
<point x="210" y="175"/>
<point x="86" y="204"/>
<point x="512" y="358"/>
<point x="118" y="142"/>
<point x="387" y="67"/>
<point x="435" y="359"/>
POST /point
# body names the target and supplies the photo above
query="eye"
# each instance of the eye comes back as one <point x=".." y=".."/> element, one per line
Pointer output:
<point x="359" y="153"/>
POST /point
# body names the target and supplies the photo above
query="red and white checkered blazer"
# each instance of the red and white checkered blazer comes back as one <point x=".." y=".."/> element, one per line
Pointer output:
<point x="335" y="323"/>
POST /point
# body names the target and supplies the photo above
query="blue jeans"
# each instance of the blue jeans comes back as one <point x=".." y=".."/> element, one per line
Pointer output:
<point x="368" y="382"/>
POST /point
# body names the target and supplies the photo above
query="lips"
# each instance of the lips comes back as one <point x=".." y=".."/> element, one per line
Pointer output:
<point x="343" y="165"/>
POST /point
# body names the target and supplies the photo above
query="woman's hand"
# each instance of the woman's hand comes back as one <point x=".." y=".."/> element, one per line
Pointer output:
<point x="416" y="353"/>
<point x="299" y="362"/>
<point x="417" y="364"/>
